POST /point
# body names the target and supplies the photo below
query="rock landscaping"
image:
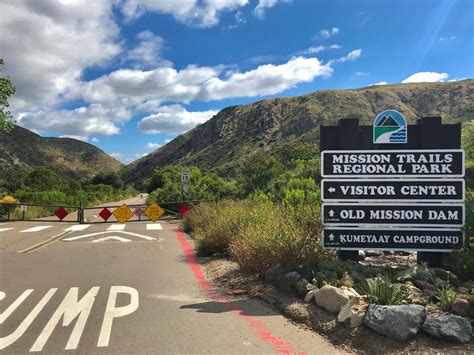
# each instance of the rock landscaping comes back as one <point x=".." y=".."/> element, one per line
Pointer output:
<point x="397" y="307"/>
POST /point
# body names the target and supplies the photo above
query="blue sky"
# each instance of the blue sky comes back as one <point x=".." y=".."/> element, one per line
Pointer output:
<point x="130" y="75"/>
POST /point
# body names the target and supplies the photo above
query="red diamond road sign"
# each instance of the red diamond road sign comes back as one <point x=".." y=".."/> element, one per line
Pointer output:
<point x="183" y="208"/>
<point x="138" y="212"/>
<point x="105" y="214"/>
<point x="61" y="213"/>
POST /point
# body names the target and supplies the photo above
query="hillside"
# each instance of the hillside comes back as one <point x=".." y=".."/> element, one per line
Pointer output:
<point x="21" y="149"/>
<point x="236" y="131"/>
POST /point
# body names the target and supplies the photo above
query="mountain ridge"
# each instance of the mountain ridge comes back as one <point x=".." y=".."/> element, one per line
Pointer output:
<point x="23" y="150"/>
<point x="236" y="131"/>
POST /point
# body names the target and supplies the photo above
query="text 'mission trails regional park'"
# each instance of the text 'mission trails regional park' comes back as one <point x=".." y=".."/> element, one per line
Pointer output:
<point x="385" y="197"/>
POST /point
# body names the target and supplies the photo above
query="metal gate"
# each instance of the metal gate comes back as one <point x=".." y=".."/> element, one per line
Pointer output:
<point x="99" y="214"/>
<point x="39" y="212"/>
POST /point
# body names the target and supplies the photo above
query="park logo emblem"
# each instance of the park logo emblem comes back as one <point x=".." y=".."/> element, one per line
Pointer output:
<point x="390" y="127"/>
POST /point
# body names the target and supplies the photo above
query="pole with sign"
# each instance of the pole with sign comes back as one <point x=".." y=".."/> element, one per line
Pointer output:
<point x="185" y="177"/>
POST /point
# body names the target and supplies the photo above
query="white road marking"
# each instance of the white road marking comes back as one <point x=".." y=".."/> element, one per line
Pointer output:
<point x="5" y="229"/>
<point x="10" y="339"/>
<point x="111" y="311"/>
<point x="14" y="305"/>
<point x="116" y="227"/>
<point x="70" y="239"/>
<point x="114" y="237"/>
<point x="77" y="227"/>
<point x="69" y="309"/>
<point x="35" y="229"/>
<point x="153" y="227"/>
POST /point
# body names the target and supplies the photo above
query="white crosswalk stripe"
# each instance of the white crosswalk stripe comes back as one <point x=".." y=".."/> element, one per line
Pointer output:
<point x="153" y="227"/>
<point x="5" y="229"/>
<point x="77" y="227"/>
<point x="116" y="227"/>
<point x="35" y="229"/>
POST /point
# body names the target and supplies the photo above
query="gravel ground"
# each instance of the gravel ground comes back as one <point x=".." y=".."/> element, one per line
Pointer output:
<point x="235" y="283"/>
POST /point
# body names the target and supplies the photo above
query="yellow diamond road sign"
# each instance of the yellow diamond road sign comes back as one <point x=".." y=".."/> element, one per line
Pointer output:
<point x="123" y="213"/>
<point x="154" y="211"/>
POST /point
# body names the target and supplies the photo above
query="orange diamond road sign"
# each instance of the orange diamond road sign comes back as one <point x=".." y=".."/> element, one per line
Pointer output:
<point x="154" y="211"/>
<point x="123" y="213"/>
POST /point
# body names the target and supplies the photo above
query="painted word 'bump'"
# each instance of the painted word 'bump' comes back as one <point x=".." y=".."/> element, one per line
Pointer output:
<point x="69" y="309"/>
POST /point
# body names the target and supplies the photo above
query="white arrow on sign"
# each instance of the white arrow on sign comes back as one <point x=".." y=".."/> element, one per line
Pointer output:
<point x="331" y="213"/>
<point x="331" y="237"/>
<point x="331" y="189"/>
<point x="113" y="237"/>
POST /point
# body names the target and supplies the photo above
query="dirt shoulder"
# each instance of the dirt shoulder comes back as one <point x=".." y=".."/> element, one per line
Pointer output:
<point x="228" y="276"/>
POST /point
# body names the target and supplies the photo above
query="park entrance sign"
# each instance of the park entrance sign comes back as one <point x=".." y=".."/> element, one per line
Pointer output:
<point x="392" y="186"/>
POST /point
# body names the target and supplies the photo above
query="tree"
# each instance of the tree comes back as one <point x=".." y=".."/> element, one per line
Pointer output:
<point x="6" y="90"/>
<point x="112" y="179"/>
<point x="467" y="138"/>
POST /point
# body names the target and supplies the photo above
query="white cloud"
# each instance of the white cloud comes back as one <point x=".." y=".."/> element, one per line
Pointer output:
<point x="95" y="140"/>
<point x="72" y="136"/>
<point x="83" y="121"/>
<point x="47" y="45"/>
<point x="173" y="119"/>
<point x="153" y="145"/>
<point x="126" y="158"/>
<point x="147" y="52"/>
<point x="379" y="83"/>
<point x="328" y="33"/>
<point x="190" y="12"/>
<point x="426" y="77"/>
<point x="264" y="5"/>
<point x="266" y="79"/>
<point x="147" y="88"/>
<point x="451" y="38"/>
<point x="350" y="56"/>
<point x="318" y="49"/>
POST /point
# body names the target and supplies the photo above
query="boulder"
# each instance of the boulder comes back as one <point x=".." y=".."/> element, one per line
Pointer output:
<point x="332" y="299"/>
<point x="288" y="281"/>
<point x="303" y="286"/>
<point x="416" y="272"/>
<point x="447" y="276"/>
<point x="310" y="295"/>
<point x="352" y="314"/>
<point x="396" y="322"/>
<point x="461" y="307"/>
<point x="414" y="294"/>
<point x="361" y="255"/>
<point x="375" y="253"/>
<point x="273" y="274"/>
<point x="448" y="327"/>
<point x="424" y="285"/>
<point x="463" y="290"/>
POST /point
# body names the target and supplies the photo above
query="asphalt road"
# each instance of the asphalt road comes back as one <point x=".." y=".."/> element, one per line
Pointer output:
<point x="132" y="288"/>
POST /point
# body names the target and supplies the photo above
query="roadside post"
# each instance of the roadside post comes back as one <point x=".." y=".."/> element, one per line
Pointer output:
<point x="392" y="187"/>
<point x="23" y="209"/>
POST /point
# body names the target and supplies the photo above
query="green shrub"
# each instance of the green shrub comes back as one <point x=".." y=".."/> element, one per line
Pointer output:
<point x="461" y="263"/>
<point x="381" y="290"/>
<point x="283" y="235"/>
<point x="213" y="225"/>
<point x="446" y="296"/>
<point x="258" y="234"/>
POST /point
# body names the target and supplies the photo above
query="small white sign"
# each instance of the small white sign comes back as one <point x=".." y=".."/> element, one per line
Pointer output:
<point x="23" y="208"/>
<point x="185" y="175"/>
